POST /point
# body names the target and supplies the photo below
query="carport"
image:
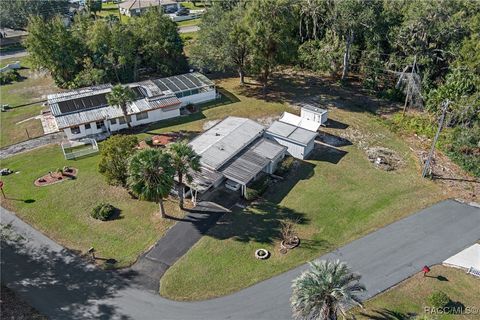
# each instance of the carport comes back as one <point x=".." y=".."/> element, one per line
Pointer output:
<point x="261" y="156"/>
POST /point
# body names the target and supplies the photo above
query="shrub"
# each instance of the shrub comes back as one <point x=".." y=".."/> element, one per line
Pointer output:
<point x="103" y="211"/>
<point x="9" y="76"/>
<point x="465" y="149"/>
<point x="257" y="188"/>
<point x="285" y="165"/>
<point x="114" y="156"/>
<point x="438" y="299"/>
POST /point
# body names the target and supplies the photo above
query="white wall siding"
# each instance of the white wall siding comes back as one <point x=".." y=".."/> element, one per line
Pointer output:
<point x="314" y="116"/>
<point x="153" y="116"/>
<point x="295" y="150"/>
<point x="199" y="97"/>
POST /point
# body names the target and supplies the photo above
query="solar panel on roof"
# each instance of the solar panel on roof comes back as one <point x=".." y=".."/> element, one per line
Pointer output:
<point x="178" y="83"/>
<point x="161" y="85"/>
<point x="138" y="93"/>
<point x="192" y="78"/>
<point x="83" y="103"/>
<point x="187" y="82"/>
<point x="170" y="85"/>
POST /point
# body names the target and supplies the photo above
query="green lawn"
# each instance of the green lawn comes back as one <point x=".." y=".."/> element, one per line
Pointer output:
<point x="411" y="296"/>
<point x="337" y="198"/>
<point x="62" y="210"/>
<point x="25" y="97"/>
<point x="111" y="9"/>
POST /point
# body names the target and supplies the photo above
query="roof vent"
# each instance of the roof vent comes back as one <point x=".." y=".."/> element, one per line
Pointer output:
<point x="217" y="134"/>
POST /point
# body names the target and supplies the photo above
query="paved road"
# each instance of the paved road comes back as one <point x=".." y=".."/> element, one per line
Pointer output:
<point x="152" y="265"/>
<point x="61" y="286"/>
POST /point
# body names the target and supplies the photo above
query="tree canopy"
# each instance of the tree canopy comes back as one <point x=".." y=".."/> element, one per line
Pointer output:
<point x="96" y="51"/>
<point x="14" y="14"/>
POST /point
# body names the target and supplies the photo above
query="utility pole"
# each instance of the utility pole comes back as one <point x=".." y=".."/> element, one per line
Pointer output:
<point x="427" y="166"/>
<point x="409" y="85"/>
<point x="412" y="88"/>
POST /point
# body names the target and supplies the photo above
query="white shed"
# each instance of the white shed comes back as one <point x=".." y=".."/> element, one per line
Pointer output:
<point x="313" y="113"/>
<point x="299" y="141"/>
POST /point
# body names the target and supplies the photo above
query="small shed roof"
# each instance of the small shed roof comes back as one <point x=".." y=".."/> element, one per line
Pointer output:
<point x="299" y="121"/>
<point x="312" y="107"/>
<point x="291" y="133"/>
<point x="226" y="139"/>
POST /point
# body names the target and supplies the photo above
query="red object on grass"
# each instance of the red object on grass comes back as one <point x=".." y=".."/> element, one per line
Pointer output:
<point x="425" y="270"/>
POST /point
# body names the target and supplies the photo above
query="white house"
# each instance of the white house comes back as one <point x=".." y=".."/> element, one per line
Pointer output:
<point x="299" y="141"/>
<point x="235" y="150"/>
<point x="85" y="112"/>
<point x="311" y="112"/>
<point x="132" y="8"/>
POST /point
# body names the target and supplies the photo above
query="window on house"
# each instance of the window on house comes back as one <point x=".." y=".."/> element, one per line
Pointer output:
<point x="87" y="126"/>
<point x="121" y="120"/>
<point x="75" y="130"/>
<point x="99" y="124"/>
<point x="142" y="116"/>
<point x="113" y="121"/>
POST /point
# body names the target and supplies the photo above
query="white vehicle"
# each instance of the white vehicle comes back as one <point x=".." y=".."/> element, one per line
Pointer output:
<point x="232" y="185"/>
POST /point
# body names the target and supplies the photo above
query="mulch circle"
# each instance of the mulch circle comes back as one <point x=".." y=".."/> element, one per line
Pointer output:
<point x="55" y="177"/>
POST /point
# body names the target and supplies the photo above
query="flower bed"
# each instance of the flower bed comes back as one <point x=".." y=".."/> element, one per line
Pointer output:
<point x="55" y="177"/>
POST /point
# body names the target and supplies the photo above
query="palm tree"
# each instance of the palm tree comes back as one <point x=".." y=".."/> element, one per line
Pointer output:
<point x="325" y="290"/>
<point x="120" y="97"/>
<point x="184" y="160"/>
<point x="151" y="176"/>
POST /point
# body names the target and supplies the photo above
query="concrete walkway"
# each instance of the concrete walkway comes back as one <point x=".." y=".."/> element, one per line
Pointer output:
<point x="61" y="286"/>
<point x="31" y="144"/>
<point x="151" y="266"/>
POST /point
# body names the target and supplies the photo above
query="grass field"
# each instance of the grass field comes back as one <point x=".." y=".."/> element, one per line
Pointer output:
<point x="411" y="296"/>
<point x="25" y="98"/>
<point x="62" y="210"/>
<point x="337" y="195"/>
<point x="111" y="9"/>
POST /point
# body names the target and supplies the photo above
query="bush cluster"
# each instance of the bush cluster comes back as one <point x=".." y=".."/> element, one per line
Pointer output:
<point x="438" y="299"/>
<point x="9" y="76"/>
<point x="257" y="188"/>
<point x="103" y="211"/>
<point x="285" y="165"/>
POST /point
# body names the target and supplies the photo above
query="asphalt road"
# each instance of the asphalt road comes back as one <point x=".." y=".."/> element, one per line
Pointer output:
<point x="62" y="287"/>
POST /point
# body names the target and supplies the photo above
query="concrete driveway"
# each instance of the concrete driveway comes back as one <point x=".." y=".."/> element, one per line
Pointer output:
<point x="61" y="286"/>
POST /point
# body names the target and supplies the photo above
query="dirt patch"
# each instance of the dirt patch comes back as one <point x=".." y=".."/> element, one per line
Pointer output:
<point x="384" y="158"/>
<point x="56" y="177"/>
<point x="454" y="181"/>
